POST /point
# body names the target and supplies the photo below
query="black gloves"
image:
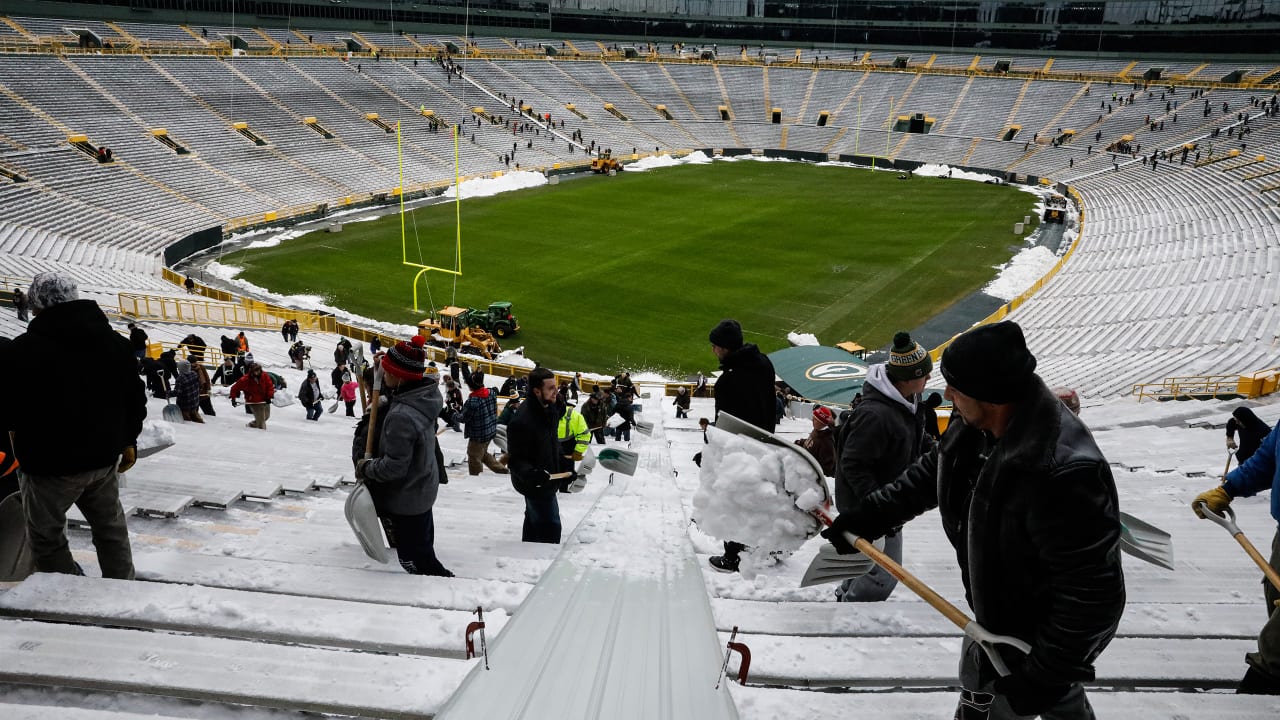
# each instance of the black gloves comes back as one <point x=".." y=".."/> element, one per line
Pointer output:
<point x="565" y="483"/>
<point x="1027" y="697"/>
<point x="861" y="522"/>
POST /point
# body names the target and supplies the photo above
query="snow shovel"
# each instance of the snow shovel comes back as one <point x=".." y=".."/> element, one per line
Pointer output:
<point x="171" y="412"/>
<point x="16" y="561"/>
<point x="500" y="439"/>
<point x="1228" y="521"/>
<point x="642" y="427"/>
<point x="618" y="460"/>
<point x="1145" y="541"/>
<point x="334" y="407"/>
<point x="829" y="566"/>
<point x="972" y="629"/>
<point x="359" y="509"/>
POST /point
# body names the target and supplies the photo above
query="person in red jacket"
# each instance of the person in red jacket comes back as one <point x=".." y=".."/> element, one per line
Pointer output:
<point x="258" y="391"/>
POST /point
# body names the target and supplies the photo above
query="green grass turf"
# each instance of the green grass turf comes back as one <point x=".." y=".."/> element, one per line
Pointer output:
<point x="632" y="271"/>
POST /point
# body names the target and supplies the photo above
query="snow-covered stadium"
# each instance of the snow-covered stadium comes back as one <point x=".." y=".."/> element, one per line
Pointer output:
<point x="256" y="599"/>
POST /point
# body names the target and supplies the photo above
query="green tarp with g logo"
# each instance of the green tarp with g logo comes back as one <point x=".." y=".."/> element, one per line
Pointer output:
<point x="820" y="373"/>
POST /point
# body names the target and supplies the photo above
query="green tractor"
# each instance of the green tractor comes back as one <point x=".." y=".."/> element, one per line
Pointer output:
<point x="497" y="319"/>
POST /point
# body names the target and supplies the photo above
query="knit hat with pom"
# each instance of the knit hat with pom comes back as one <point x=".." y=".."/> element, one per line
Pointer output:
<point x="406" y="360"/>
<point x="908" y="360"/>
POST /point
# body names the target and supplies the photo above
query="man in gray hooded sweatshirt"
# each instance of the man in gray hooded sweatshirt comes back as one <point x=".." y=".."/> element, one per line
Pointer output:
<point x="403" y="477"/>
<point x="882" y="437"/>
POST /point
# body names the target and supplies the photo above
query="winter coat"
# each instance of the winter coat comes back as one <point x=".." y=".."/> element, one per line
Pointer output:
<point x="480" y="415"/>
<point x="596" y="414"/>
<point x="255" y="391"/>
<point x="94" y="404"/>
<point x="1036" y="530"/>
<point x="508" y="413"/>
<point x="229" y="346"/>
<point x="879" y="439"/>
<point x="821" y="444"/>
<point x="188" y="391"/>
<point x="348" y="391"/>
<point x="202" y="376"/>
<point x="310" y="394"/>
<point x="138" y="338"/>
<point x="403" y="476"/>
<point x="532" y="448"/>
<point x="1260" y="472"/>
<point x="745" y="388"/>
<point x="242" y="343"/>
<point x="572" y="431"/>
<point x="225" y="375"/>
<point x="335" y="378"/>
<point x="681" y="401"/>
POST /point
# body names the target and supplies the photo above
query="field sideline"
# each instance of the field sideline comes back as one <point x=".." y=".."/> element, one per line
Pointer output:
<point x="632" y="271"/>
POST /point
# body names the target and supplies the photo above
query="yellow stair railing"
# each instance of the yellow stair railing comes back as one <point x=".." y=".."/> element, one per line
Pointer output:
<point x="1206" y="387"/>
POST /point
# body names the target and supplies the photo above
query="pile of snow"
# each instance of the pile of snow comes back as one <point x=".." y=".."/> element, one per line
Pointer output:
<point x="931" y="170"/>
<point x="752" y="493"/>
<point x="656" y="161"/>
<point x="487" y="187"/>
<point x="156" y="435"/>
<point x="1021" y="272"/>
<point x="798" y="339"/>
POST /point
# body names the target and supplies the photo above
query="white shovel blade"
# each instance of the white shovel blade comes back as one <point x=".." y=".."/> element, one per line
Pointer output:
<point x="619" y="460"/>
<point x="829" y="566"/>
<point x="501" y="438"/>
<point x="363" y="519"/>
<point x="644" y="428"/>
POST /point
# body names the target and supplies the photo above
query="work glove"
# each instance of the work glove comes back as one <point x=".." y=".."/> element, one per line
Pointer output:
<point x="577" y="456"/>
<point x="1216" y="499"/>
<point x="566" y="482"/>
<point x="860" y="523"/>
<point x="361" y="464"/>
<point x="233" y="402"/>
<point x="1231" y="444"/>
<point x="128" y="458"/>
<point x="1027" y="697"/>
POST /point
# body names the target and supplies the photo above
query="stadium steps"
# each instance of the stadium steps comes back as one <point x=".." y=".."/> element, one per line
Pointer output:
<point x="275" y="44"/>
<point x="1017" y="104"/>
<point x="286" y="677"/>
<point x="638" y="97"/>
<point x="898" y="104"/>
<point x="693" y="111"/>
<point x="835" y="139"/>
<point x="836" y="114"/>
<point x="1053" y="122"/>
<point x="955" y="107"/>
<point x="808" y="95"/>
<point x="17" y="28"/>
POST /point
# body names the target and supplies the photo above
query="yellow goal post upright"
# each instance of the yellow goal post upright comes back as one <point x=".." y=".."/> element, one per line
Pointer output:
<point x="456" y="271"/>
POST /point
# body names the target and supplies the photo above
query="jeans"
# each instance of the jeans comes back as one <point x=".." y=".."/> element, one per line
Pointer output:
<point x="46" y="499"/>
<point x="541" y="517"/>
<point x="314" y="410"/>
<point x="878" y="584"/>
<point x="414" y="538"/>
<point x="977" y="695"/>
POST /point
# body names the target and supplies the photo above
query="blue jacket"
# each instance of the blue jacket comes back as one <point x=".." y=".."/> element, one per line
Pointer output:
<point x="1260" y="472"/>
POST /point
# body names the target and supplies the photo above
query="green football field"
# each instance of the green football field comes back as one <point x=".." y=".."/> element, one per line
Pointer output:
<point x="632" y="271"/>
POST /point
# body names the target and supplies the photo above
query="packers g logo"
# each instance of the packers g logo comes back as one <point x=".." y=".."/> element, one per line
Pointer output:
<point x="828" y="371"/>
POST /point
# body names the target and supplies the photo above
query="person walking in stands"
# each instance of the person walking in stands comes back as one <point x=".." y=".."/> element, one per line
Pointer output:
<point x="311" y="396"/>
<point x="509" y="411"/>
<point x="348" y="393"/>
<point x="452" y="412"/>
<point x="138" y="339"/>
<point x="480" y="416"/>
<point x="1252" y="430"/>
<point x="226" y="372"/>
<point x="403" y="476"/>
<point x="1260" y="472"/>
<point x="596" y="415"/>
<point x="821" y="442"/>
<point x="189" y="284"/>
<point x="20" y="304"/>
<point x="744" y="390"/>
<point x="574" y="437"/>
<point x="284" y="330"/>
<point x="624" y="409"/>
<point x="72" y="458"/>
<point x="880" y="439"/>
<point x="242" y="344"/>
<point x="188" y="392"/>
<point x="533" y="455"/>
<point x="681" y="402"/>
<point x="206" y="387"/>
<point x="1029" y="504"/>
<point x="258" y="391"/>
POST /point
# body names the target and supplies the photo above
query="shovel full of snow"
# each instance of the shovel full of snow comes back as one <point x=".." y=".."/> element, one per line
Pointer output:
<point x="984" y="638"/>
<point x="1228" y="522"/>
<point x="362" y="516"/>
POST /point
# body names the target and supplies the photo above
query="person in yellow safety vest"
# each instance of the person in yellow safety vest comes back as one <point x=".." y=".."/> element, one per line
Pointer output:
<point x="574" y="436"/>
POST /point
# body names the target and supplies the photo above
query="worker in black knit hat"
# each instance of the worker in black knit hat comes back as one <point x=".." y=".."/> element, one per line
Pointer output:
<point x="883" y="435"/>
<point x="1028" y="502"/>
